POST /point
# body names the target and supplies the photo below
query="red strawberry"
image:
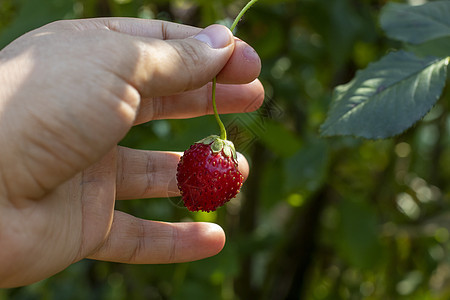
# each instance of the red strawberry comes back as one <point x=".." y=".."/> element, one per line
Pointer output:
<point x="207" y="174"/>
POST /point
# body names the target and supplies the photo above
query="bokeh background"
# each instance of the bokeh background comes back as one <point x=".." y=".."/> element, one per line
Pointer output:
<point x="335" y="218"/>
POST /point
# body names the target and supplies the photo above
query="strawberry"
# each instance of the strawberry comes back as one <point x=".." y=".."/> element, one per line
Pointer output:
<point x="208" y="174"/>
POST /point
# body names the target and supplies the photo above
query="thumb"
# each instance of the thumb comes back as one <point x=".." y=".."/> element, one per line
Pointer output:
<point x="173" y="66"/>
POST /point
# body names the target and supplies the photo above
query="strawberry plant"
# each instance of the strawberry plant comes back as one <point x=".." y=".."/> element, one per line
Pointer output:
<point x="207" y="173"/>
<point x="392" y="94"/>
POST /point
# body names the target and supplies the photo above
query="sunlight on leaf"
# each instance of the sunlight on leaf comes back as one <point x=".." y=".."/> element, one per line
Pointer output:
<point x="386" y="98"/>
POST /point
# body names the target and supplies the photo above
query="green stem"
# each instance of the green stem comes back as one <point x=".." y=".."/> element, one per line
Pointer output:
<point x="239" y="16"/>
<point x="223" y="131"/>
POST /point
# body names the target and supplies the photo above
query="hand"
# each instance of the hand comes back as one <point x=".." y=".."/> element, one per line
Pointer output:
<point x="69" y="93"/>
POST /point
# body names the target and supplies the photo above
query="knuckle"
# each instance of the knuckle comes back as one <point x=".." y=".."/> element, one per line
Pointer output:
<point x="189" y="61"/>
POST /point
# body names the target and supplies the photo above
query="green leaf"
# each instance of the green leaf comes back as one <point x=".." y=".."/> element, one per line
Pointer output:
<point x="306" y="171"/>
<point x="272" y="183"/>
<point x="386" y="98"/>
<point x="280" y="139"/>
<point x="438" y="47"/>
<point x="416" y="24"/>
<point x="357" y="234"/>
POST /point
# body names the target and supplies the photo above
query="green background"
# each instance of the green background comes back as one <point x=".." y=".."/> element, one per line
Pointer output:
<point x="334" y="218"/>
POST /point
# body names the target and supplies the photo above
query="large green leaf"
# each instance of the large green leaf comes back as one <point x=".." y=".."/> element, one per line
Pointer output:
<point x="386" y="98"/>
<point x="416" y="24"/>
<point x="438" y="47"/>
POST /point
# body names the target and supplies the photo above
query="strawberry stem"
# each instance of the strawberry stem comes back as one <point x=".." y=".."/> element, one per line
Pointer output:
<point x="223" y="131"/>
<point x="241" y="13"/>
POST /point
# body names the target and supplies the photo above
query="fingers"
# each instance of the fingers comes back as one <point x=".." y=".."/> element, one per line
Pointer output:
<point x="159" y="68"/>
<point x="138" y="241"/>
<point x="161" y="30"/>
<point x="243" y="66"/>
<point x="230" y="99"/>
<point x="151" y="174"/>
<point x="146" y="174"/>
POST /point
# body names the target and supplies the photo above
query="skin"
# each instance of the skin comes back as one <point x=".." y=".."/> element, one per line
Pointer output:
<point x="69" y="92"/>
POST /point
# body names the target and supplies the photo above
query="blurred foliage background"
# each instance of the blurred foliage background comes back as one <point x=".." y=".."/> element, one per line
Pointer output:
<point x="336" y="218"/>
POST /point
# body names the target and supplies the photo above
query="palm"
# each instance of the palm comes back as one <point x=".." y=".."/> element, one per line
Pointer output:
<point x="74" y="220"/>
<point x="62" y="124"/>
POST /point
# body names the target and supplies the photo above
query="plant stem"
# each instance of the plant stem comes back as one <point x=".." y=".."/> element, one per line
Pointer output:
<point x="223" y="131"/>
<point x="242" y="12"/>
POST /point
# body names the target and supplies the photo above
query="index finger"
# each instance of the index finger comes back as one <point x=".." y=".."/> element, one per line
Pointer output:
<point x="144" y="28"/>
<point x="243" y="66"/>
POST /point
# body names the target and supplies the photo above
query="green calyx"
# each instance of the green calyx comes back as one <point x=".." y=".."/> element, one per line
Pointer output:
<point x="217" y="145"/>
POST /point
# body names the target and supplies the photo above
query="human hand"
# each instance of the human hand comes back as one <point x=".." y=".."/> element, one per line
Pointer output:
<point x="69" y="93"/>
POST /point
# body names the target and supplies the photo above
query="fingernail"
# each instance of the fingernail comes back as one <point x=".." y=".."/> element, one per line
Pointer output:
<point x="215" y="36"/>
<point x="250" y="54"/>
